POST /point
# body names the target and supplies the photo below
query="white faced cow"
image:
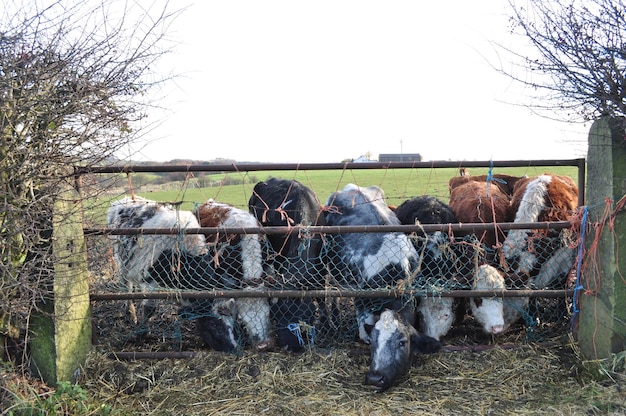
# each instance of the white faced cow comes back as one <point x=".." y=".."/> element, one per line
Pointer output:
<point x="540" y="259"/>
<point x="372" y="261"/>
<point x="544" y="198"/>
<point x="239" y="258"/>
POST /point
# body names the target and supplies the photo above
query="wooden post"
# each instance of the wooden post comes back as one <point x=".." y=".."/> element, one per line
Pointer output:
<point x="602" y="319"/>
<point x="61" y="334"/>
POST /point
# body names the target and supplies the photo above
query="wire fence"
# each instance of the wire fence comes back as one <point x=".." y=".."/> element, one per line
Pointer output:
<point x="317" y="305"/>
<point x="320" y="308"/>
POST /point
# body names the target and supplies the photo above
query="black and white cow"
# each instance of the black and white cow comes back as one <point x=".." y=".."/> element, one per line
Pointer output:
<point x="149" y="262"/>
<point x="394" y="344"/>
<point x="142" y="260"/>
<point x="373" y="261"/>
<point x="296" y="258"/>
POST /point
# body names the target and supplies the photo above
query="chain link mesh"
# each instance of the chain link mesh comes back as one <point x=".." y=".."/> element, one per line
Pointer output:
<point x="445" y="263"/>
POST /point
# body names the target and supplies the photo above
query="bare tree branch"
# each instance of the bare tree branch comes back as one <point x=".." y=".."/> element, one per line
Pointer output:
<point x="74" y="77"/>
<point x="577" y="58"/>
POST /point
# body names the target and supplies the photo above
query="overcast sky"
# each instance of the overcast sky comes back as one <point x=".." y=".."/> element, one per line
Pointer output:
<point x="322" y="81"/>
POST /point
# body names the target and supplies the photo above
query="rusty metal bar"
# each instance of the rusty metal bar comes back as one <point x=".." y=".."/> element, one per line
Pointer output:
<point x="349" y="293"/>
<point x="557" y="225"/>
<point x="252" y="167"/>
<point x="151" y="355"/>
<point x="581" y="181"/>
<point x="160" y="355"/>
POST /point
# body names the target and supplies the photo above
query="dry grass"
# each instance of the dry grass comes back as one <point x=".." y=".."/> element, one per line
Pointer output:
<point x="528" y="379"/>
<point x="472" y="376"/>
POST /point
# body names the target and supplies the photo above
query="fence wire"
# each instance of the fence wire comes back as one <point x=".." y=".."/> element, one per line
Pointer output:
<point x="443" y="263"/>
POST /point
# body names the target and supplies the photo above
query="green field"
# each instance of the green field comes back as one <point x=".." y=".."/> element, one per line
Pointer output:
<point x="398" y="184"/>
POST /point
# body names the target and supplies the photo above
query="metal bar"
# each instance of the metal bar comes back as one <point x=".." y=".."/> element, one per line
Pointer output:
<point x="326" y="229"/>
<point x="252" y="167"/>
<point x="581" y="182"/>
<point x="483" y="347"/>
<point x="154" y="355"/>
<point x="349" y="293"/>
<point x="159" y="355"/>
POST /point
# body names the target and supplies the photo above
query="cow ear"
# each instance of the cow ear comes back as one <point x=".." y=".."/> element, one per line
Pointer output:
<point x="368" y="329"/>
<point x="226" y="307"/>
<point x="423" y="344"/>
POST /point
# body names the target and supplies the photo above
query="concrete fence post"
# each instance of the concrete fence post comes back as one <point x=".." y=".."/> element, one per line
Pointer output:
<point x="61" y="332"/>
<point x="602" y="319"/>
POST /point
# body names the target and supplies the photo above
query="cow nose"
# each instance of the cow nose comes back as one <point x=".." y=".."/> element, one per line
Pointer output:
<point x="264" y="345"/>
<point x="497" y="329"/>
<point x="375" y="379"/>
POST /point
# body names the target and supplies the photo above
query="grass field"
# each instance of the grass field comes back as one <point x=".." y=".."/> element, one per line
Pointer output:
<point x="398" y="184"/>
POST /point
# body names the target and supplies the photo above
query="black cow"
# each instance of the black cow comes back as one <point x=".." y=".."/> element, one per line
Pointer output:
<point x="296" y="259"/>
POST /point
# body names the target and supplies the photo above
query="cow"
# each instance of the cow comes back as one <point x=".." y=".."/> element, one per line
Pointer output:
<point x="541" y="259"/>
<point x="543" y="198"/>
<point x="372" y="261"/>
<point x="394" y="344"/>
<point x="424" y="210"/>
<point x="239" y="258"/>
<point x="296" y="258"/>
<point x="495" y="314"/>
<point x="435" y="313"/>
<point x="481" y="202"/>
<point x="506" y="183"/>
<point x="149" y="262"/>
<point x="487" y="199"/>
<point x="368" y="260"/>
<point x="488" y="311"/>
<point x="452" y="263"/>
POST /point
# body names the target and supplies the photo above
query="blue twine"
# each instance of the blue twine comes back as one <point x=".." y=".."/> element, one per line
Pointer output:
<point x="490" y="177"/>
<point x="295" y="330"/>
<point x="490" y="172"/>
<point x="305" y="241"/>
<point x="578" y="286"/>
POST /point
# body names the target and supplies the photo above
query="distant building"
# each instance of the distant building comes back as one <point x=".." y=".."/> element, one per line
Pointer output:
<point x="363" y="159"/>
<point x="399" y="157"/>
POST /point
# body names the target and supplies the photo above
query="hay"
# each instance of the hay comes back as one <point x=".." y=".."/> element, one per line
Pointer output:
<point x="472" y="376"/>
<point x="528" y="379"/>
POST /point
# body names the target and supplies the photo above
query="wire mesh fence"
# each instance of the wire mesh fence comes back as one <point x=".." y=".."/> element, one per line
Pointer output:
<point x="322" y="313"/>
<point x="178" y="291"/>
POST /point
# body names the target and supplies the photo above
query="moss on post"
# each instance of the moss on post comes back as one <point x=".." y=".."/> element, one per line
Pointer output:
<point x="602" y="328"/>
<point x="61" y="335"/>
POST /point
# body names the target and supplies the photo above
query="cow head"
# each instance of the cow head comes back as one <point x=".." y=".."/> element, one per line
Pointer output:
<point x="393" y="345"/>
<point x="218" y="327"/>
<point x="436" y="316"/>
<point x="488" y="311"/>
<point x="254" y="313"/>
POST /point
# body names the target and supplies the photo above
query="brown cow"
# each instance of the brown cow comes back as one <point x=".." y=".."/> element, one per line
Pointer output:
<point x="481" y="202"/>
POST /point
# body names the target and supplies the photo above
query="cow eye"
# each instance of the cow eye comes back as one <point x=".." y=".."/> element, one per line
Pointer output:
<point x="402" y="343"/>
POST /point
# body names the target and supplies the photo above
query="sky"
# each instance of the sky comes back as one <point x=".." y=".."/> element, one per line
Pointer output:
<point x="323" y="81"/>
